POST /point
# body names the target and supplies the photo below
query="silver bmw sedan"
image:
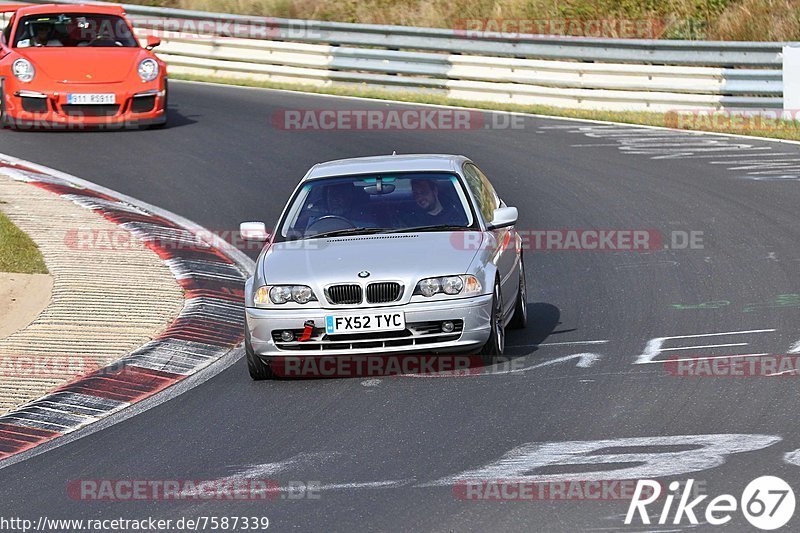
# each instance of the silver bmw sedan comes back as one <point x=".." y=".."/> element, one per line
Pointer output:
<point x="381" y="255"/>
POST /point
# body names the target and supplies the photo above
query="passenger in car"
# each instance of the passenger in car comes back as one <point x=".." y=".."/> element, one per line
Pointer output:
<point x="42" y="36"/>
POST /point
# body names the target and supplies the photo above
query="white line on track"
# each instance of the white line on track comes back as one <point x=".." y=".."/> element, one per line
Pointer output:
<point x="585" y="360"/>
<point x="682" y="348"/>
<point x="793" y="458"/>
<point x="263" y="471"/>
<point x="655" y="346"/>
<point x="603" y="145"/>
<point x="699" y="335"/>
<point x="703" y="358"/>
<point x="568" y="343"/>
<point x="785" y="372"/>
<point x="365" y="485"/>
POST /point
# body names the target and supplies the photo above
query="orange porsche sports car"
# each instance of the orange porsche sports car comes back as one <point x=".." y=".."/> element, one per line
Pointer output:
<point x="78" y="66"/>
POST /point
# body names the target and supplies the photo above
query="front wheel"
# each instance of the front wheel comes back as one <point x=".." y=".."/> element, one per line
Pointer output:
<point x="497" y="336"/>
<point x="163" y="124"/>
<point x="4" y="121"/>
<point x="258" y="369"/>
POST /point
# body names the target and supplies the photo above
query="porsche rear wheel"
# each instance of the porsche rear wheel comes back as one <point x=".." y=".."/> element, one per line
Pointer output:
<point x="258" y="369"/>
<point x="497" y="336"/>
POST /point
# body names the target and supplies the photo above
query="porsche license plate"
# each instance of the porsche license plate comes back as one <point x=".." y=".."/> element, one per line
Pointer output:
<point x="92" y="98"/>
<point x="364" y="323"/>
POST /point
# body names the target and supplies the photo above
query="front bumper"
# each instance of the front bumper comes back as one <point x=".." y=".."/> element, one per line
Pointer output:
<point x="471" y="316"/>
<point x="28" y="106"/>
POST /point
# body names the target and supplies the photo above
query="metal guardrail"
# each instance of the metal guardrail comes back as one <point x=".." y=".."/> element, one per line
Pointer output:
<point x="666" y="52"/>
<point x="620" y="74"/>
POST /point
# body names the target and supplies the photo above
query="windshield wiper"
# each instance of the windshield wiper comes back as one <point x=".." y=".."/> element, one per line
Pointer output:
<point x="346" y="231"/>
<point x="434" y="227"/>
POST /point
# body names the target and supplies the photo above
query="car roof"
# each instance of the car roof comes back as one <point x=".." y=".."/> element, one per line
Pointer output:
<point x="387" y="163"/>
<point x="69" y="8"/>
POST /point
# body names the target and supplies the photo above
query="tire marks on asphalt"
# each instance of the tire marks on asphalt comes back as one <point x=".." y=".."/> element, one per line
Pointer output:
<point x="758" y="162"/>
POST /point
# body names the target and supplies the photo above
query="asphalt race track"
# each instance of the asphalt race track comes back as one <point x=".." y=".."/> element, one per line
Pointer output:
<point x="387" y="451"/>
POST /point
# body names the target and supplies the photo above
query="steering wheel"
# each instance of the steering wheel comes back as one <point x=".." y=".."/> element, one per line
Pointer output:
<point x="329" y="223"/>
<point x="104" y="39"/>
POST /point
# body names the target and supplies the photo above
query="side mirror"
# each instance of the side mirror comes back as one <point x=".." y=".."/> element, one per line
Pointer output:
<point x="504" y="217"/>
<point x="253" y="231"/>
<point x="152" y="42"/>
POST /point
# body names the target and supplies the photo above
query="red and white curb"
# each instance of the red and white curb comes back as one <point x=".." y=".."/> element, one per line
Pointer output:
<point x="210" y="271"/>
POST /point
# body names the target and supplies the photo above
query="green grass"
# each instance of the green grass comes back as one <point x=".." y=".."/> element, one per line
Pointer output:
<point x="735" y="20"/>
<point x="18" y="253"/>
<point x="777" y="129"/>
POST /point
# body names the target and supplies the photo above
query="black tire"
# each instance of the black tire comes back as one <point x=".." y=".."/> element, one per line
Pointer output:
<point x="4" y="123"/>
<point x="520" y="318"/>
<point x="163" y="124"/>
<point x="259" y="370"/>
<point x="497" y="337"/>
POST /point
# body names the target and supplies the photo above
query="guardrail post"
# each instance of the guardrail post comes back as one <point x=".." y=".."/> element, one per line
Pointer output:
<point x="791" y="78"/>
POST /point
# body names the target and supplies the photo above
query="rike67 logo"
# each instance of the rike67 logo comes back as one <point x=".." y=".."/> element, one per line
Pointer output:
<point x="767" y="502"/>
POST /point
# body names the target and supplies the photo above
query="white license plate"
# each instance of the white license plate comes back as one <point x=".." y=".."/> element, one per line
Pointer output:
<point x="366" y="322"/>
<point x="99" y="99"/>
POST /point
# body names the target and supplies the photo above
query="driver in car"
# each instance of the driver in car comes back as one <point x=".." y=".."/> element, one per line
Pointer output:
<point x="433" y="212"/>
<point x="342" y="202"/>
<point x="103" y="37"/>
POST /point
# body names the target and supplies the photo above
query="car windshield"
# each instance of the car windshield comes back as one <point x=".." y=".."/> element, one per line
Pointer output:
<point x="378" y="203"/>
<point x="74" y="30"/>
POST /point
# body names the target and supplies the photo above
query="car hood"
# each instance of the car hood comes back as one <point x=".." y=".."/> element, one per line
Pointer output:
<point x="84" y="64"/>
<point x="403" y="257"/>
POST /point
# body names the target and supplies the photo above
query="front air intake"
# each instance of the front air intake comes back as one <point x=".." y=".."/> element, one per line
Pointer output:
<point x="349" y="294"/>
<point x="384" y="292"/>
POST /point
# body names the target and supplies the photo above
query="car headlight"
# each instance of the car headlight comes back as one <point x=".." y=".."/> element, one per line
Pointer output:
<point x="450" y="285"/>
<point x="23" y="70"/>
<point x="148" y="69"/>
<point x="429" y="287"/>
<point x="281" y="294"/>
<point x="301" y="294"/>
